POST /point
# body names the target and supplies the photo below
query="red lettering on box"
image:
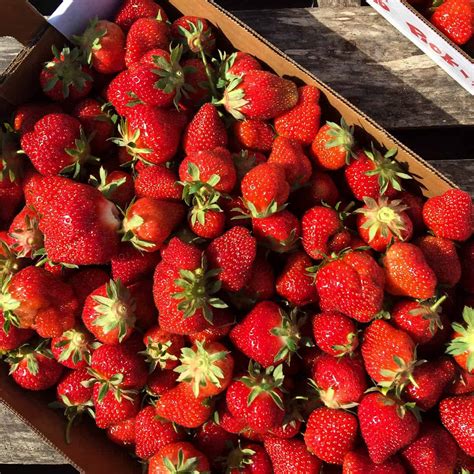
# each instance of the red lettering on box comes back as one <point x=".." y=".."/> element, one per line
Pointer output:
<point x="435" y="48"/>
<point x="450" y="60"/>
<point x="382" y="4"/>
<point x="418" y="33"/>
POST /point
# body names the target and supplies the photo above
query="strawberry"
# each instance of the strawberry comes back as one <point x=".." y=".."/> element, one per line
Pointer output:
<point x="116" y="186"/>
<point x="407" y="273"/>
<point x="249" y="458"/>
<point x="432" y="378"/>
<point x="233" y="253"/>
<point x="294" y="283"/>
<point x="371" y="174"/>
<point x="34" y="368"/>
<point x="214" y="441"/>
<point x="279" y="231"/>
<point x="66" y="76"/>
<point x="259" y="95"/>
<point x="457" y="416"/>
<point x="131" y="10"/>
<point x="178" y="457"/>
<point x="461" y="346"/>
<point x="291" y="455"/>
<point x="322" y="189"/>
<point x="149" y="222"/>
<point x="119" y="93"/>
<point x="198" y="91"/>
<point x="152" y="433"/>
<point x="389" y="355"/>
<point x="80" y="226"/>
<point x="207" y="367"/>
<point x="302" y="122"/>
<point x="340" y="382"/>
<point x="13" y="338"/>
<point x="267" y="334"/>
<point x="34" y="298"/>
<point x="330" y="434"/>
<point x="455" y="19"/>
<point x="162" y="348"/>
<point x="25" y="237"/>
<point x="179" y="405"/>
<point x="289" y="154"/>
<point x="158" y="182"/>
<point x="386" y="426"/>
<point x="359" y="462"/>
<point x="122" y="433"/>
<point x="28" y="114"/>
<point x="57" y="144"/>
<point x="239" y="63"/>
<point x="335" y="333"/>
<point x="160" y="382"/>
<point x="145" y="34"/>
<point x="205" y="222"/>
<point x="352" y="285"/>
<point x="414" y="209"/>
<point x="85" y="281"/>
<point x="205" y="132"/>
<point x="463" y="383"/>
<point x="257" y="398"/>
<point x="332" y="145"/>
<point x="9" y="262"/>
<point x="383" y="222"/>
<point x="261" y="283"/>
<point x="72" y="348"/>
<point x="195" y="33"/>
<point x="450" y="215"/>
<point x="252" y="135"/>
<point x="11" y="199"/>
<point x="466" y="255"/>
<point x="265" y="189"/>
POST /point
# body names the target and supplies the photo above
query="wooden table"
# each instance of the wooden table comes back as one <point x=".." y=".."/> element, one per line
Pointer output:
<point x="360" y="55"/>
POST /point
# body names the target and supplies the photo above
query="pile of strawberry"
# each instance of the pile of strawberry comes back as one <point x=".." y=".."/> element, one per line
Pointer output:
<point x="224" y="282"/>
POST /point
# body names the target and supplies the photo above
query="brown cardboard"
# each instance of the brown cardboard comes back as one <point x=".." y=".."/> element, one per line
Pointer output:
<point x="94" y="453"/>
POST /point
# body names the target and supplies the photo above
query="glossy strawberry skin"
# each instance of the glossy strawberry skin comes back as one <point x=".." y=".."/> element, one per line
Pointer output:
<point x="14" y="338"/>
<point x="158" y="182"/>
<point x="122" y="433"/>
<point x="85" y="281"/>
<point x="49" y="372"/>
<point x="71" y="390"/>
<point x="252" y="135"/>
<point x="171" y="452"/>
<point x="359" y="462"/>
<point x="132" y="10"/>
<point x="454" y="18"/>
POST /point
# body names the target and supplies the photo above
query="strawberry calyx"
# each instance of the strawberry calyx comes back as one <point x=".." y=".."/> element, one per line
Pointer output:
<point x="431" y="311"/>
<point x="105" y="384"/>
<point x="401" y="407"/>
<point x="329" y="398"/>
<point x="130" y="229"/>
<point x="346" y="349"/>
<point x="129" y="140"/>
<point x="198" y="367"/>
<point x="182" y="465"/>
<point x="10" y="165"/>
<point x="9" y="262"/>
<point x="116" y="310"/>
<point x="90" y="41"/>
<point x="81" y="154"/>
<point x="399" y="377"/>
<point x="75" y="345"/>
<point x="107" y="189"/>
<point x="463" y="340"/>
<point x="156" y="353"/>
<point x="8" y="305"/>
<point x="197" y="38"/>
<point x="28" y="239"/>
<point x="239" y="458"/>
<point x="197" y="289"/>
<point x="341" y="136"/>
<point x="28" y="353"/>
<point x="234" y="98"/>
<point x="271" y="209"/>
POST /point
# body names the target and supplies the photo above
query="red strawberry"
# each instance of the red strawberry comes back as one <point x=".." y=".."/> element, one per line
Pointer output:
<point x="279" y="231"/>
<point x="461" y="346"/>
<point x="463" y="383"/>
<point x="162" y="348"/>
<point x="11" y="199"/>
<point x="330" y="434"/>
<point x="25" y="237"/>
<point x="160" y="382"/>
<point x="239" y="63"/>
<point x="295" y="284"/>
<point x="72" y="348"/>
<point x="80" y="226"/>
<point x="85" y="281"/>
<point x="335" y="333"/>
<point x="259" y="95"/>
<point x="414" y="209"/>
<point x="407" y="273"/>
<point x="214" y="442"/>
<point x="180" y="405"/>
<point x="116" y="186"/>
<point x="28" y="114"/>
<point x="249" y="458"/>
<point x="222" y="321"/>
<point x="455" y="19"/>
<point x="386" y="426"/>
<point x="233" y="253"/>
<point x="118" y="93"/>
<point x="267" y="334"/>
<point x="466" y="255"/>
<point x="13" y="338"/>
<point x="103" y="44"/>
<point x="195" y="33"/>
<point x="457" y="416"/>
<point x="178" y="457"/>
<point x="145" y="34"/>
<point x="158" y="182"/>
<point x="322" y="188"/>
<point x="34" y="368"/>
<point x="131" y="10"/>
<point x="265" y="189"/>
<point x="359" y="462"/>
<point x="261" y="283"/>
<point x="66" y="76"/>
<point x="122" y="433"/>
<point x="450" y="215"/>
<point x="252" y="135"/>
<point x="198" y="91"/>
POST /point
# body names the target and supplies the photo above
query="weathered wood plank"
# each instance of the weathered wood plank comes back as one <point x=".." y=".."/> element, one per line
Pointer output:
<point x="360" y="55"/>
<point x="338" y="3"/>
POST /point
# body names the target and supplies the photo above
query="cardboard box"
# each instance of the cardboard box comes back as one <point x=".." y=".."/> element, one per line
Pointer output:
<point x="449" y="56"/>
<point x="90" y="450"/>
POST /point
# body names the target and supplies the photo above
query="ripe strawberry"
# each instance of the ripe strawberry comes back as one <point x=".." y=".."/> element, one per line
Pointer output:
<point x="267" y="334"/>
<point x="158" y="182"/>
<point x="57" y="144"/>
<point x="131" y="10"/>
<point x="160" y="382"/>
<point x="153" y="433"/>
<point x="222" y="321"/>
<point x="407" y="273"/>
<point x="180" y="405"/>
<point x="116" y="186"/>
<point x="294" y="283"/>
<point x="386" y="426"/>
<point x="13" y="338"/>
<point x="330" y="434"/>
<point x="457" y="416"/>
<point x="414" y="209"/>
<point x="450" y="215"/>
<point x="198" y="91"/>
<point x="259" y="95"/>
<point x="352" y="285"/>
<point x="371" y="174"/>
<point x="205" y="222"/>
<point x="335" y="333"/>
<point x="265" y="189"/>
<point x="261" y="283"/>
<point x="195" y="33"/>
<point x="72" y="348"/>
<point x="11" y="199"/>
<point x="340" y="382"/>
<point x="233" y="253"/>
<point x="291" y="455"/>
<point x="279" y="231"/>
<point x="322" y="189"/>
<point x="249" y="458"/>
<point x="461" y="346"/>
<point x="162" y="348"/>
<point x="359" y="462"/>
<point x="85" y="281"/>
<point x="145" y="34"/>
<point x="252" y="135"/>
<point x="205" y="132"/>
<point x="28" y="114"/>
<point x="34" y="368"/>
<point x="66" y="76"/>
<point x="80" y="226"/>
<point x="455" y="19"/>
<point x="466" y="255"/>
<point x="333" y="144"/>
<point x="463" y="383"/>
<point x="289" y="154"/>
<point x="25" y="237"/>
<point x="119" y="93"/>
<point x="257" y="398"/>
<point x="238" y="63"/>
<point x="149" y="222"/>
<point x="214" y="442"/>
<point x="432" y="378"/>
<point x="122" y="433"/>
<point x="178" y="457"/>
